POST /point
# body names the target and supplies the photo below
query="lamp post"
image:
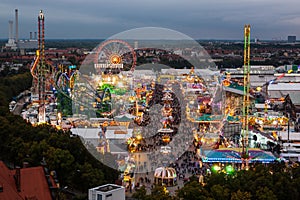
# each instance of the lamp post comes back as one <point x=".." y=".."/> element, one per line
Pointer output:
<point x="288" y="139"/>
<point x="288" y="116"/>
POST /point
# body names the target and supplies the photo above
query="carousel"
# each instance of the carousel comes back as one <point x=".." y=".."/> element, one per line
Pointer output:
<point x="167" y="113"/>
<point x="166" y="176"/>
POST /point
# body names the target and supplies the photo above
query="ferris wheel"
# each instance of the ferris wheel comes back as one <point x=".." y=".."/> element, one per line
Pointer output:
<point x="116" y="54"/>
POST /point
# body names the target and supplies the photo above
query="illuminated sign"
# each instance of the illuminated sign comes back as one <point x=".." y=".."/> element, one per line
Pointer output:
<point x="108" y="65"/>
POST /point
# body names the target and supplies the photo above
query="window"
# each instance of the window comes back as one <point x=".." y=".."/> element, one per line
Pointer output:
<point x="109" y="197"/>
<point x="99" y="196"/>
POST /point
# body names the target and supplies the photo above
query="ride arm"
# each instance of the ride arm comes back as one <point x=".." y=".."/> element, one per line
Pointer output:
<point x="36" y="61"/>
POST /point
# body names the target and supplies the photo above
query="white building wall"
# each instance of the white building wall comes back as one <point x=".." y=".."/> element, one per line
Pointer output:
<point x="116" y="194"/>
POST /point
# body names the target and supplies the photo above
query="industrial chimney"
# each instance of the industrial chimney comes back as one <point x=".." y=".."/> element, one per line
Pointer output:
<point x="30" y="36"/>
<point x="17" y="24"/>
<point x="10" y="31"/>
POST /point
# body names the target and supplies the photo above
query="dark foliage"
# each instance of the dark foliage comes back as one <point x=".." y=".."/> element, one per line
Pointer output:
<point x="20" y="142"/>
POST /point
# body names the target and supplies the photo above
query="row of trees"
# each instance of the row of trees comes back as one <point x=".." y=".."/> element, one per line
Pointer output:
<point x="11" y="86"/>
<point x="20" y="142"/>
<point x="275" y="181"/>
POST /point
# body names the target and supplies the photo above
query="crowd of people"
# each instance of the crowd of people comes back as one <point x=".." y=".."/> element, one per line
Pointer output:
<point x="179" y="132"/>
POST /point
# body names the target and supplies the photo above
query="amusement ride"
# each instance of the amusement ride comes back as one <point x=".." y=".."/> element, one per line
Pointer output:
<point x="105" y="86"/>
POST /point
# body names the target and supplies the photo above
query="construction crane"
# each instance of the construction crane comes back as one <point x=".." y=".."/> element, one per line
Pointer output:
<point x="246" y="99"/>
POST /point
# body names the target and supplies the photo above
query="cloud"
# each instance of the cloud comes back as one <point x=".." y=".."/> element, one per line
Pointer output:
<point x="199" y="19"/>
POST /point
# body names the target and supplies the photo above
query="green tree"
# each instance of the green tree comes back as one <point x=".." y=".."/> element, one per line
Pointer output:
<point x="89" y="176"/>
<point x="17" y="150"/>
<point x="159" y="193"/>
<point x="140" y="193"/>
<point x="59" y="160"/>
<point x="73" y="60"/>
<point x="215" y="179"/>
<point x="264" y="193"/>
<point x="62" y="153"/>
<point x="239" y="195"/>
<point x="193" y="191"/>
<point x="37" y="150"/>
<point x="220" y="193"/>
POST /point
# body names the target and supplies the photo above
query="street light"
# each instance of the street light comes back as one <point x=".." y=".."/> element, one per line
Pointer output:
<point x="288" y="139"/>
<point x="288" y="116"/>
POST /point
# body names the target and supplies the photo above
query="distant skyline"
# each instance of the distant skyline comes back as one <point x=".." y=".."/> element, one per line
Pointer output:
<point x="205" y="19"/>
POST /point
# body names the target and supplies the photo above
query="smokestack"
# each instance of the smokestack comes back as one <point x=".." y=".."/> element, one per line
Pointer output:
<point x="30" y="36"/>
<point x="18" y="178"/>
<point x="10" y="30"/>
<point x="35" y="35"/>
<point x="17" y="24"/>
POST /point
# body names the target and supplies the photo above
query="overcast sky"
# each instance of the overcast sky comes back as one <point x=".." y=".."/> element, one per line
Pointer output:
<point x="199" y="19"/>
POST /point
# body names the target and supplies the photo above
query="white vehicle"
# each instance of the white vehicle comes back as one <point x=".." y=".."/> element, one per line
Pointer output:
<point x="165" y="149"/>
<point x="12" y="105"/>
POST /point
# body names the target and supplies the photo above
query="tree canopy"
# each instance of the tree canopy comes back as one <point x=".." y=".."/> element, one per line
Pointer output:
<point x="20" y="142"/>
<point x="275" y="181"/>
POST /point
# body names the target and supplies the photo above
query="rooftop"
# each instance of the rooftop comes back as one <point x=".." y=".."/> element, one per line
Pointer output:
<point x="284" y="87"/>
<point x="295" y="97"/>
<point x="108" y="187"/>
<point x="32" y="185"/>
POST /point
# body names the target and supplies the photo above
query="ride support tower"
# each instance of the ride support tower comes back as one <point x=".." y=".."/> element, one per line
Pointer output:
<point x="41" y="70"/>
<point x="246" y="99"/>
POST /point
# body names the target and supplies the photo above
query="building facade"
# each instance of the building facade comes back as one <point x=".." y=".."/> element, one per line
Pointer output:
<point x="107" y="192"/>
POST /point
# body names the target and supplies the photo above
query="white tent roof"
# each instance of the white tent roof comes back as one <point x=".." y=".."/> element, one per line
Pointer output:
<point x="284" y="87"/>
<point x="86" y="133"/>
<point x="110" y="134"/>
<point x="165" y="172"/>
<point x="125" y="115"/>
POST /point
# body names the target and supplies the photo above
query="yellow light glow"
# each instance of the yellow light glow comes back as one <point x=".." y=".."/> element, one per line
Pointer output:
<point x="258" y="89"/>
<point x="139" y="137"/>
<point x="115" y="59"/>
<point x="59" y="115"/>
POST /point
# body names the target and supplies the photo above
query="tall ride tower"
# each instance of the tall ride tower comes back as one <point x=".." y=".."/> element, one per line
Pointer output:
<point x="41" y="66"/>
<point x="246" y="100"/>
